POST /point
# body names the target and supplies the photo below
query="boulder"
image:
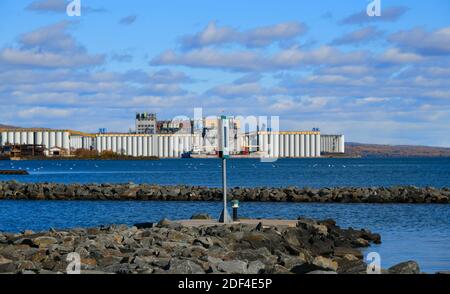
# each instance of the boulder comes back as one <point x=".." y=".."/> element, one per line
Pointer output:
<point x="184" y="267"/>
<point x="343" y="251"/>
<point x="232" y="267"/>
<point x="144" y="225"/>
<point x="407" y="267"/>
<point x="44" y="241"/>
<point x="201" y="216"/>
<point x="319" y="263"/>
<point x="256" y="267"/>
<point x="6" y="265"/>
<point x="318" y="272"/>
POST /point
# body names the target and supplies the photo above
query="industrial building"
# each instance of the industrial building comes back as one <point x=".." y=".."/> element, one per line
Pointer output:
<point x="175" y="126"/>
<point x="143" y="145"/>
<point x="332" y="144"/>
<point x="267" y="144"/>
<point x="201" y="140"/>
<point x="145" y="123"/>
<point x="66" y="140"/>
<point x="284" y="144"/>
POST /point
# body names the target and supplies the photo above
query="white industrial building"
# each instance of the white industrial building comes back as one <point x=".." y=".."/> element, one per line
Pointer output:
<point x="143" y="145"/>
<point x="332" y="144"/>
<point x="63" y="139"/>
<point x="284" y="144"/>
<point x="268" y="144"/>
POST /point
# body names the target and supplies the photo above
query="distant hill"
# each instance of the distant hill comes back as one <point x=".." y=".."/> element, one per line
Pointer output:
<point x="8" y="127"/>
<point x="374" y="150"/>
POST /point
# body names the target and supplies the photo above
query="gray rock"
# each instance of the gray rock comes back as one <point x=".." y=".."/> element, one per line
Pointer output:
<point x="27" y="272"/>
<point x="343" y="251"/>
<point x="93" y="272"/>
<point x="232" y="267"/>
<point x="204" y="241"/>
<point x="201" y="216"/>
<point x="121" y="268"/>
<point x="318" y="272"/>
<point x="407" y="267"/>
<point x="44" y="241"/>
<point x="178" y="266"/>
<point x="407" y="194"/>
<point x="6" y="265"/>
<point x="256" y="267"/>
<point x="319" y="263"/>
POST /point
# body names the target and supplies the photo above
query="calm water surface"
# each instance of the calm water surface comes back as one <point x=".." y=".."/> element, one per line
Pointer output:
<point x="409" y="232"/>
<point x="314" y="172"/>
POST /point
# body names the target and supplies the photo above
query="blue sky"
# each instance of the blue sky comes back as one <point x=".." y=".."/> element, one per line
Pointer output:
<point x="319" y="64"/>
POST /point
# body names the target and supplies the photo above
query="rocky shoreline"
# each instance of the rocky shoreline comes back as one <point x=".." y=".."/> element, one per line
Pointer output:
<point x="13" y="190"/>
<point x="312" y="247"/>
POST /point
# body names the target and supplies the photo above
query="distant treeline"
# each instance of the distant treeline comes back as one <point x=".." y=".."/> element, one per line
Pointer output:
<point x="374" y="150"/>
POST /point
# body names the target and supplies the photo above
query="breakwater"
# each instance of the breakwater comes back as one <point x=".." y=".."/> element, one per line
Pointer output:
<point x="53" y="191"/>
<point x="168" y="247"/>
<point x="13" y="172"/>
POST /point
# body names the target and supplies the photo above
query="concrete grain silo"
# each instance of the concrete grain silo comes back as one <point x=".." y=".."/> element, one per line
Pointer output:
<point x="4" y="138"/>
<point x="307" y="145"/>
<point x="317" y="148"/>
<point x="291" y="145"/>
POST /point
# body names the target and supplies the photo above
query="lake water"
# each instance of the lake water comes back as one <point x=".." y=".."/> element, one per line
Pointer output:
<point x="418" y="232"/>
<point x="314" y="172"/>
<point x="408" y="232"/>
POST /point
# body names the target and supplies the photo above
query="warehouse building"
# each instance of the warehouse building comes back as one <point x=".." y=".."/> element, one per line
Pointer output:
<point x="203" y="141"/>
<point x="268" y="144"/>
<point x="143" y="145"/>
<point x="284" y="144"/>
<point x="145" y="123"/>
<point x="66" y="140"/>
<point x="330" y="144"/>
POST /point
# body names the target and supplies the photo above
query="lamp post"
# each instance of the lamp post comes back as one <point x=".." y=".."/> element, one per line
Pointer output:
<point x="224" y="153"/>
<point x="235" y="207"/>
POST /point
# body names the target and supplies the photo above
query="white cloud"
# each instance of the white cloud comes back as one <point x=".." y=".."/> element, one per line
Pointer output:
<point x="53" y="37"/>
<point x="48" y="5"/>
<point x="236" y="90"/>
<point x="45" y="112"/>
<point x="57" y="6"/>
<point x="429" y="43"/>
<point x="258" y="37"/>
<point x="50" y="46"/>
<point x="394" y="55"/>
<point x="47" y="59"/>
<point x="390" y="14"/>
<point x="363" y="35"/>
<point x="250" y="60"/>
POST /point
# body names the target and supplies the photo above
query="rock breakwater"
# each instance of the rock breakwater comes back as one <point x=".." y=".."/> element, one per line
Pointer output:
<point x="168" y="247"/>
<point x="130" y="191"/>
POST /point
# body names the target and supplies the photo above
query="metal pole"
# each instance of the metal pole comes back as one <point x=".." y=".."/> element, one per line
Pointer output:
<point x="224" y="184"/>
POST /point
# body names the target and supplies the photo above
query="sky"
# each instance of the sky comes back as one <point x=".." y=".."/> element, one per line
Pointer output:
<point x="315" y="64"/>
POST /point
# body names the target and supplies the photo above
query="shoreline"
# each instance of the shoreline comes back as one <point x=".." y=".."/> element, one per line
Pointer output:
<point x="13" y="190"/>
<point x="305" y="246"/>
<point x="124" y="158"/>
